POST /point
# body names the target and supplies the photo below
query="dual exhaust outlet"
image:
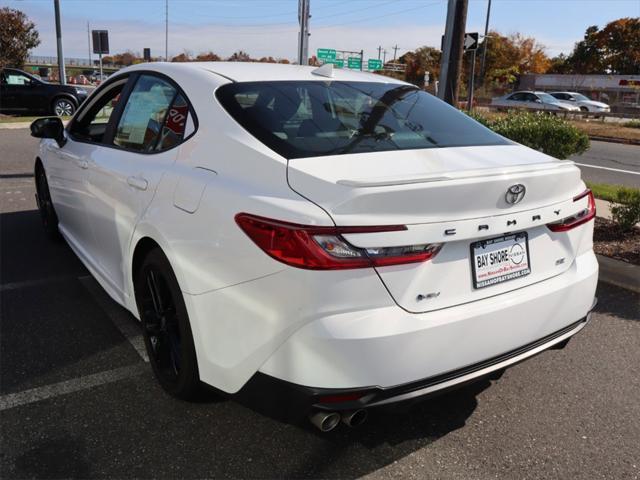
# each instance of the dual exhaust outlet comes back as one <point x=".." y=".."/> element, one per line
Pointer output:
<point x="327" y="421"/>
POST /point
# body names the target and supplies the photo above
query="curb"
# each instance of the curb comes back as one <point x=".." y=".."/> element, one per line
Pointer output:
<point x="625" y="141"/>
<point x="14" y="125"/>
<point x="619" y="273"/>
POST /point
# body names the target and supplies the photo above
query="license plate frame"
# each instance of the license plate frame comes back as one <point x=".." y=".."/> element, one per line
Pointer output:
<point x="510" y="241"/>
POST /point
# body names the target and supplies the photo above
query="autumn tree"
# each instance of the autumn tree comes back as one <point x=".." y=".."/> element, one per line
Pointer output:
<point x="208" y="57"/>
<point x="613" y="50"/>
<point x="127" y="58"/>
<point x="510" y="56"/>
<point x="619" y="42"/>
<point x="183" y="57"/>
<point x="18" y="35"/>
<point x="420" y="61"/>
<point x="240" y="56"/>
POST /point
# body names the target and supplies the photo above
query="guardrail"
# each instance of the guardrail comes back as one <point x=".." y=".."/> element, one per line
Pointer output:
<point x="68" y="62"/>
<point x="566" y="113"/>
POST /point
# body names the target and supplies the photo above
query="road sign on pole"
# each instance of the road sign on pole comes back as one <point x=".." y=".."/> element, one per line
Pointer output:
<point x="470" y="41"/>
<point x="337" y="62"/>
<point x="326" y="54"/>
<point x="354" y="63"/>
<point x="100" y="45"/>
<point x="374" y="64"/>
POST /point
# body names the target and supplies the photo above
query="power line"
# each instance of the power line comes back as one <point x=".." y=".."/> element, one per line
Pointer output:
<point x="380" y="16"/>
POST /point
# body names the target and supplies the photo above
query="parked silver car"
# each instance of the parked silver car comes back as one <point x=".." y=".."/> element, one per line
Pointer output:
<point x="533" y="100"/>
<point x="583" y="103"/>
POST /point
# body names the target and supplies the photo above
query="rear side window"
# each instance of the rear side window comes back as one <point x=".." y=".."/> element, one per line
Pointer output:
<point x="154" y="118"/>
<point x="315" y="118"/>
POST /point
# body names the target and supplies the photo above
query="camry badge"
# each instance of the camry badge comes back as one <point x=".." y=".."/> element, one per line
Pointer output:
<point x="515" y="193"/>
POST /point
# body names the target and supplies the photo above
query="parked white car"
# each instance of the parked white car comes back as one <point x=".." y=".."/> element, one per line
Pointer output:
<point x="585" y="104"/>
<point x="322" y="241"/>
<point x="534" y="100"/>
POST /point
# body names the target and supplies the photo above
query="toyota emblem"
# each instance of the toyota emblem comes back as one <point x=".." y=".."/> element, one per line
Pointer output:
<point x="515" y="194"/>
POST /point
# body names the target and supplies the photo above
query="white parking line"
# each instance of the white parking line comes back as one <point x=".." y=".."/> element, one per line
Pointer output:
<point x="121" y="318"/>
<point x="12" y="400"/>
<point x="607" y="168"/>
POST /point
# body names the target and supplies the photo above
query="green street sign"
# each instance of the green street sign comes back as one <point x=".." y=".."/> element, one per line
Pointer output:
<point x="337" y="62"/>
<point x="326" y="54"/>
<point x="374" y="64"/>
<point x="354" y="62"/>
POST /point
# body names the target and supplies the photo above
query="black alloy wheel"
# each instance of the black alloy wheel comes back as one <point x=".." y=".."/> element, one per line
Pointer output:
<point x="45" y="205"/>
<point x="166" y="329"/>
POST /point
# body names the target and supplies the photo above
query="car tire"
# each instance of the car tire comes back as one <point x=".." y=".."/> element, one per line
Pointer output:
<point x="63" y="107"/>
<point x="584" y="109"/>
<point x="45" y="204"/>
<point x="166" y="328"/>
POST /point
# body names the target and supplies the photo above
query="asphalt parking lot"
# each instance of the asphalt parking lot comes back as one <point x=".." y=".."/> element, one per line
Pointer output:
<point x="77" y="398"/>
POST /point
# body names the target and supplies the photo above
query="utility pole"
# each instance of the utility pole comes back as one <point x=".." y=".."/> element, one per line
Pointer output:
<point x="471" y="79"/>
<point x="486" y="43"/>
<point x="453" y="48"/>
<point x="89" y="43"/>
<point x="61" y="73"/>
<point x="166" y="30"/>
<point x="395" y="52"/>
<point x="361" y="59"/>
<point x="384" y="57"/>
<point x="379" y="52"/>
<point x="303" y="37"/>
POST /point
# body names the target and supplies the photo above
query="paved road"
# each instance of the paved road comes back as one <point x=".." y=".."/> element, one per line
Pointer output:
<point x="607" y="162"/>
<point x="77" y="399"/>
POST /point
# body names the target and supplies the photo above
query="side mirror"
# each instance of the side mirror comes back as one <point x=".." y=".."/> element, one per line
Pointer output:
<point x="49" y="127"/>
<point x="537" y="100"/>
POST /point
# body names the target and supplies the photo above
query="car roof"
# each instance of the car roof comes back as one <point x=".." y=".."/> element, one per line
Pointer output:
<point x="253" y="71"/>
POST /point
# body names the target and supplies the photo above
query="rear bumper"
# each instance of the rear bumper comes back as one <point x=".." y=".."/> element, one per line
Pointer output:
<point x="388" y="348"/>
<point x="290" y="401"/>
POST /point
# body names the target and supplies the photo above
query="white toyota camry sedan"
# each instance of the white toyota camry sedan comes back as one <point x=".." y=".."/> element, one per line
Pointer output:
<point x="318" y="241"/>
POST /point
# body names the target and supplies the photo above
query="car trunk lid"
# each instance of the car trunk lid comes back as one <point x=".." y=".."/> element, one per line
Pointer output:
<point x="453" y="196"/>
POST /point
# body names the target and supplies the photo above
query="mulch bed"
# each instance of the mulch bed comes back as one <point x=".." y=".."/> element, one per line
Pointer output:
<point x="610" y="241"/>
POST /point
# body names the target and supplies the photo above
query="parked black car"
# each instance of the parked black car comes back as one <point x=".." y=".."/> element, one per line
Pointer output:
<point x="21" y="92"/>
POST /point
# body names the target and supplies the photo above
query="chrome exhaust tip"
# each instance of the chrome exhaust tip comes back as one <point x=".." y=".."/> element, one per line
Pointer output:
<point x="325" y="421"/>
<point x="354" y="418"/>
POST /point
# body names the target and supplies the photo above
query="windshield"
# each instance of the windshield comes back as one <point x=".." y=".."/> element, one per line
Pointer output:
<point x="546" y="98"/>
<point x="314" y="118"/>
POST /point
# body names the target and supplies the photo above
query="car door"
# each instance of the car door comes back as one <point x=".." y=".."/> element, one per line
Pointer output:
<point x="123" y="178"/>
<point x="68" y="168"/>
<point x="15" y="92"/>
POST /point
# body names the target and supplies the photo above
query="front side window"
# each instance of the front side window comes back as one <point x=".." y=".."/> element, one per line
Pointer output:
<point x="314" y="118"/>
<point x="142" y="123"/>
<point x="91" y="123"/>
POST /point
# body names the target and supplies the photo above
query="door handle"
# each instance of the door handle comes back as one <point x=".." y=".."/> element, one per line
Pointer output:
<point x="83" y="164"/>
<point x="137" y="182"/>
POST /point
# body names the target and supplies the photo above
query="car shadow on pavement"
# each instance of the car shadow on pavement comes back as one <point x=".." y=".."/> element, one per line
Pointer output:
<point x="617" y="301"/>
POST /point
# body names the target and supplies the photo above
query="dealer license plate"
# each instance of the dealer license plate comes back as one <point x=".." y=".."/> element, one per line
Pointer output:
<point x="500" y="259"/>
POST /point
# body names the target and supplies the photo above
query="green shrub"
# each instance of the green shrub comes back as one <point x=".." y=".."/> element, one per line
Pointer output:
<point x="540" y="131"/>
<point x="626" y="208"/>
<point x="632" y="124"/>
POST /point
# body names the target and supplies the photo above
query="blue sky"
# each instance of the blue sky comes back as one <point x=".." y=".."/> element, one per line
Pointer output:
<point x="269" y="27"/>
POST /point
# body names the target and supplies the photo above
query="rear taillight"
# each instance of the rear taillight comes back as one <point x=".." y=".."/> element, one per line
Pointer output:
<point x="324" y="248"/>
<point x="583" y="216"/>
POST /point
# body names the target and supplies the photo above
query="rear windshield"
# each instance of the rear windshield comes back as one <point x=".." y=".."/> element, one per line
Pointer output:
<point x="314" y="118"/>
